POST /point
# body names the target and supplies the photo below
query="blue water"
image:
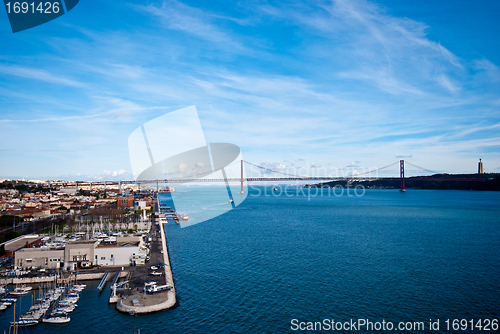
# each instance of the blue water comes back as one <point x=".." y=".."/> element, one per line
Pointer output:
<point x="410" y="256"/>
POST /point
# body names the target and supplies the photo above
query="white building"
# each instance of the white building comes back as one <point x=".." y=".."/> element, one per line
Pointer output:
<point x="125" y="251"/>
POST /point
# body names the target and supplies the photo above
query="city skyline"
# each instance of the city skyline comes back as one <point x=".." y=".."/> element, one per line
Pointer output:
<point x="336" y="84"/>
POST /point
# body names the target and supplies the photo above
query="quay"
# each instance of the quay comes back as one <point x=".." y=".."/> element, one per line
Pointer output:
<point x="138" y="300"/>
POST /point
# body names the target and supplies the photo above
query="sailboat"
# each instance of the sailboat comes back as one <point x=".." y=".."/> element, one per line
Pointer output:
<point x="57" y="320"/>
<point x="24" y="322"/>
<point x="23" y="290"/>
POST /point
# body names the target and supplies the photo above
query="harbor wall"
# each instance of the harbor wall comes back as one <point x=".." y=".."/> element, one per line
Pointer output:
<point x="171" y="300"/>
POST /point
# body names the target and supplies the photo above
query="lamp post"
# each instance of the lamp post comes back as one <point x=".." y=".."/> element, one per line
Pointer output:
<point x="133" y="313"/>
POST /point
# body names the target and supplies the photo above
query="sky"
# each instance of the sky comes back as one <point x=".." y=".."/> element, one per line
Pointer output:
<point x="329" y="85"/>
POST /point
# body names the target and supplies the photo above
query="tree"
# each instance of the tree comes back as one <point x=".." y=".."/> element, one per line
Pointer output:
<point x="12" y="235"/>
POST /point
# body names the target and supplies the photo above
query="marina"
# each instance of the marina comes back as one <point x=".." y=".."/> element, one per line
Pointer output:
<point x="133" y="290"/>
<point x="49" y="304"/>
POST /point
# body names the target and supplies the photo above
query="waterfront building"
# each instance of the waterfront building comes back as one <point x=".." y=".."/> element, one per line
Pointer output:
<point x="39" y="258"/>
<point x="123" y="251"/>
<point x="79" y="254"/>
<point x="24" y="241"/>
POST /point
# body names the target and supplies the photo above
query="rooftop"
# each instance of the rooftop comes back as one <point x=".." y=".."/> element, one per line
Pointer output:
<point x="20" y="242"/>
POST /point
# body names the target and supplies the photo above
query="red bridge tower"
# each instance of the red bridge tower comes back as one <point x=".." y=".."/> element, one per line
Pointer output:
<point x="402" y="174"/>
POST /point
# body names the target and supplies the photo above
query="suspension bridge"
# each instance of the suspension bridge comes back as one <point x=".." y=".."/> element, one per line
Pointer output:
<point x="278" y="176"/>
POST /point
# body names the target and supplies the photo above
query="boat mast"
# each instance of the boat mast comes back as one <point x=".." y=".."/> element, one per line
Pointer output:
<point x="15" y="317"/>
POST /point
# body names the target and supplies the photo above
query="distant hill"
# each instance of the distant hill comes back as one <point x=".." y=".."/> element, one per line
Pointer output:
<point x="438" y="181"/>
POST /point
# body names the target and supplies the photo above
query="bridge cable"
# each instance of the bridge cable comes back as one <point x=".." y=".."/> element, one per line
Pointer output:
<point x="376" y="170"/>
<point x="273" y="171"/>
<point x="424" y="169"/>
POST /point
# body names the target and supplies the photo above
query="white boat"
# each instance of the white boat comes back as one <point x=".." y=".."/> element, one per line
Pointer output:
<point x="67" y="309"/>
<point x="10" y="300"/>
<point x="68" y="301"/>
<point x="78" y="288"/>
<point x="33" y="315"/>
<point x="58" y="313"/>
<point x="22" y="290"/>
<point x="156" y="273"/>
<point x="185" y="217"/>
<point x="150" y="283"/>
<point x="158" y="288"/>
<point x="24" y="322"/>
<point x="57" y="320"/>
<point x="3" y="307"/>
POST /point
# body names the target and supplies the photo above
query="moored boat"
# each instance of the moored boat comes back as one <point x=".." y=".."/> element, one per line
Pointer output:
<point x="24" y="322"/>
<point x="57" y="320"/>
<point x="22" y="290"/>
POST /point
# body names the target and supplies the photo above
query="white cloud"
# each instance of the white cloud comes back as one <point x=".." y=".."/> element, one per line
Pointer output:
<point x="486" y="66"/>
<point x="193" y="21"/>
<point x="38" y="74"/>
<point x="447" y="83"/>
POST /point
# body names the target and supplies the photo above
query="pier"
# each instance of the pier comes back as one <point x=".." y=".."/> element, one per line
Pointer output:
<point x="139" y="300"/>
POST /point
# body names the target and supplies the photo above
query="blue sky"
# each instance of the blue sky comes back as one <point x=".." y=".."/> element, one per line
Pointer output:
<point x="324" y="83"/>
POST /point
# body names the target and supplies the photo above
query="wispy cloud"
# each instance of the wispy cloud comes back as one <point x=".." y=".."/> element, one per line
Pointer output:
<point x="486" y="66"/>
<point x="393" y="53"/>
<point x="447" y="83"/>
<point x="178" y="16"/>
<point x="123" y="109"/>
<point x="38" y="74"/>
